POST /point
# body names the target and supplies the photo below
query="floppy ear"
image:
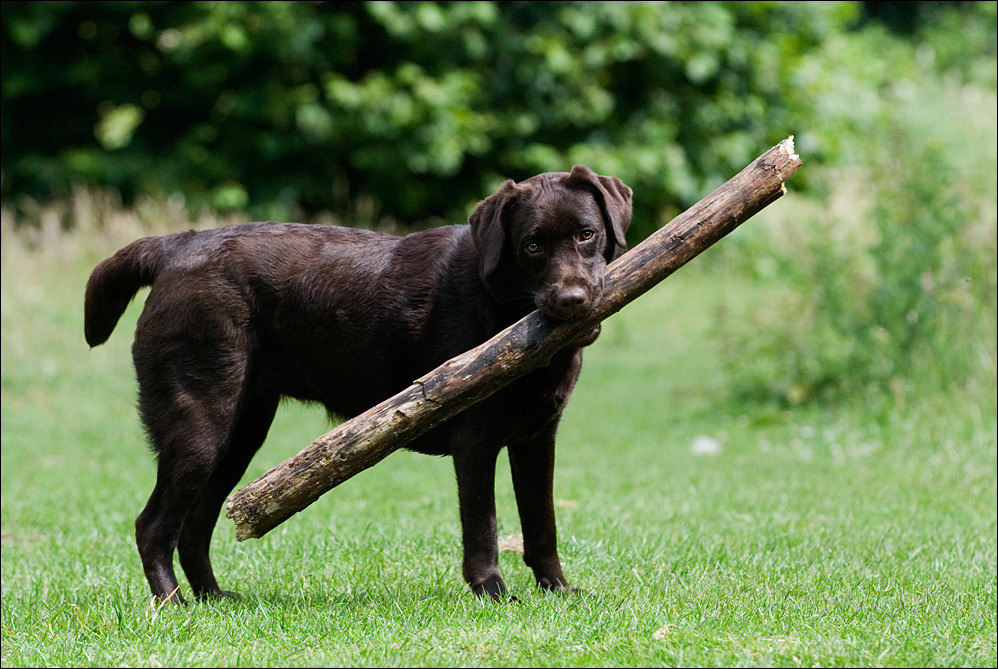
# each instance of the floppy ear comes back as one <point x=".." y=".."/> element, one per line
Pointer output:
<point x="614" y="200"/>
<point x="487" y="229"/>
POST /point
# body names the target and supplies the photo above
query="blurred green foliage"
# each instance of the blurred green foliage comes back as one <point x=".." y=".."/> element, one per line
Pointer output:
<point x="889" y="280"/>
<point x="411" y="110"/>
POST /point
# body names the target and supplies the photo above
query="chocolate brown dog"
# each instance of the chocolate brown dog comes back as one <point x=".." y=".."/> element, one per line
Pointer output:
<point x="242" y="316"/>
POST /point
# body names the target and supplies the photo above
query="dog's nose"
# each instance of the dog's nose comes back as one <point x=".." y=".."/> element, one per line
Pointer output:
<point x="572" y="300"/>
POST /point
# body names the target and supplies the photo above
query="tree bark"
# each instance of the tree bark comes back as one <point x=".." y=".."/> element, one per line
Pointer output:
<point x="526" y="345"/>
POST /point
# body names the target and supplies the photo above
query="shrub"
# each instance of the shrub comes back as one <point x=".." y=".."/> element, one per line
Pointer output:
<point x="403" y="110"/>
<point x="891" y="284"/>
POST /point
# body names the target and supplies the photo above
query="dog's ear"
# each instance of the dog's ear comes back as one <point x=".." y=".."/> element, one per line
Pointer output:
<point x="487" y="228"/>
<point x="614" y="200"/>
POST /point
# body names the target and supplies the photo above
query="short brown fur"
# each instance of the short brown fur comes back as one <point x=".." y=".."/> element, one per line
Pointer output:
<point x="242" y="316"/>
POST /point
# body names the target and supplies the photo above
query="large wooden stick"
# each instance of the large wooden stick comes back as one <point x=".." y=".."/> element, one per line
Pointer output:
<point x="526" y="345"/>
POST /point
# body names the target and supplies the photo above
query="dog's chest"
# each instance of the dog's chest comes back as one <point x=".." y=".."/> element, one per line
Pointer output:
<point x="532" y="402"/>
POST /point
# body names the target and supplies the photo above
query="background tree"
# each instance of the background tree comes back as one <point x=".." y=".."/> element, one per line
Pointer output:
<point x="408" y="110"/>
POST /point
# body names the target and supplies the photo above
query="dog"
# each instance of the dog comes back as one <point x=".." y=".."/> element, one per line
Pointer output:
<point x="241" y="316"/>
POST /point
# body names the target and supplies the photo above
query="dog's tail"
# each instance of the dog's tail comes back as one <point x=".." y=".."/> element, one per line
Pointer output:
<point x="113" y="284"/>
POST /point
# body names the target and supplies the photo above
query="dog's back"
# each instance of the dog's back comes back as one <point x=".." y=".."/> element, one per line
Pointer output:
<point x="336" y="315"/>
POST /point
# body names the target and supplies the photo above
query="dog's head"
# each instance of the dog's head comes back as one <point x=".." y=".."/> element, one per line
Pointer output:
<point x="552" y="236"/>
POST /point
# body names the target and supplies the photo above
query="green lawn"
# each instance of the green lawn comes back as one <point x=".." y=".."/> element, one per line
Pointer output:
<point x="823" y="535"/>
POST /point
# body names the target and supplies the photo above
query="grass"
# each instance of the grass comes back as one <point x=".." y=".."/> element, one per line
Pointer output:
<point x="825" y="535"/>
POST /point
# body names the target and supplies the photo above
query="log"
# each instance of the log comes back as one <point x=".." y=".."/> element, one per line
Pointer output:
<point x="526" y="345"/>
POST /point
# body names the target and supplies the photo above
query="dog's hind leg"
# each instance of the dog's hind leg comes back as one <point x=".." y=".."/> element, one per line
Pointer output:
<point x="195" y="539"/>
<point x="189" y="398"/>
<point x="183" y="471"/>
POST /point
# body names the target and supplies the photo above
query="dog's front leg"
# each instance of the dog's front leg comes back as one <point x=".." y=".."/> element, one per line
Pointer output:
<point x="475" y="466"/>
<point x="532" y="467"/>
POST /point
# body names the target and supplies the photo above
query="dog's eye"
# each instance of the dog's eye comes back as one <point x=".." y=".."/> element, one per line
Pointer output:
<point x="587" y="235"/>
<point x="532" y="247"/>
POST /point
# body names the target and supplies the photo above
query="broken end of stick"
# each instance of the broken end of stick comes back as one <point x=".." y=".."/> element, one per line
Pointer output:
<point x="788" y="146"/>
<point x="783" y="162"/>
<point x="244" y="532"/>
<point x="793" y="161"/>
<point x="244" y="529"/>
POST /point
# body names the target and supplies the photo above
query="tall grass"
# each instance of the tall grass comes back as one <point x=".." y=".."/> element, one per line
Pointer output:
<point x="888" y="283"/>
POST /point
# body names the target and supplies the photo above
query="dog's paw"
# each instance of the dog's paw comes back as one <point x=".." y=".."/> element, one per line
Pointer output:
<point x="568" y="590"/>
<point x="559" y="587"/>
<point x="492" y="586"/>
<point x="218" y="595"/>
